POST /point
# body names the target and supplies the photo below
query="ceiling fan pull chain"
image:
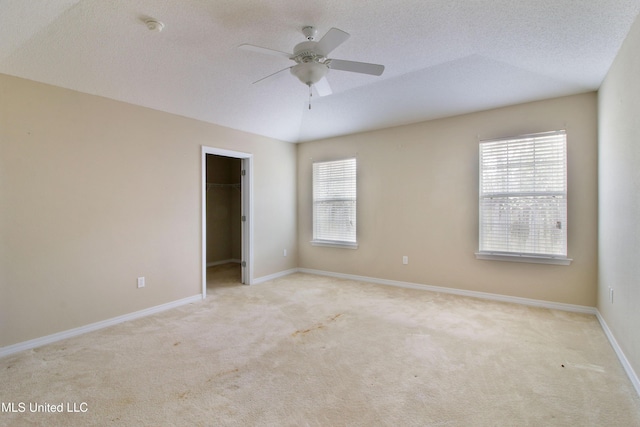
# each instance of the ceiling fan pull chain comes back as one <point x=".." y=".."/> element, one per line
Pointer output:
<point x="310" y="95"/>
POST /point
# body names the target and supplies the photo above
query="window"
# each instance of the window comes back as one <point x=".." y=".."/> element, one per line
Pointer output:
<point x="334" y="203"/>
<point x="523" y="198"/>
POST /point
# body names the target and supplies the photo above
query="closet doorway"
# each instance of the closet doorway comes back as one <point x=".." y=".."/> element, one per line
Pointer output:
<point x="226" y="218"/>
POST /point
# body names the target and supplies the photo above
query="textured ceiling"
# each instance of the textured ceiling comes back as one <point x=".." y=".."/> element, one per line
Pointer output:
<point x="442" y="57"/>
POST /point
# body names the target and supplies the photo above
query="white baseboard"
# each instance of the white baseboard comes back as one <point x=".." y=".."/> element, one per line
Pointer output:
<point x="274" y="276"/>
<point x="621" y="356"/>
<point x="461" y="292"/>
<point x="37" y="342"/>
<point x="224" y="261"/>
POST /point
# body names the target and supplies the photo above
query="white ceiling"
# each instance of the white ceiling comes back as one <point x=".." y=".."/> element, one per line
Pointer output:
<point x="442" y="57"/>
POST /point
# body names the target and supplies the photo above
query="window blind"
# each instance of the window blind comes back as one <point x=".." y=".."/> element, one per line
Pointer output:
<point x="334" y="201"/>
<point x="523" y="195"/>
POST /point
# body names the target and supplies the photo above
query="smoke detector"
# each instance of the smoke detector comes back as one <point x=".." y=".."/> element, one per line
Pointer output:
<point x="154" y="25"/>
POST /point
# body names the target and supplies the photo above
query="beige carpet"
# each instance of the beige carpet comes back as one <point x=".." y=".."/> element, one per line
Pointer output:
<point x="305" y="350"/>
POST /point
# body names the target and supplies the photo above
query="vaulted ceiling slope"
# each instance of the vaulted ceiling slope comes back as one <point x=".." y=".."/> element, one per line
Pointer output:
<point x="442" y="57"/>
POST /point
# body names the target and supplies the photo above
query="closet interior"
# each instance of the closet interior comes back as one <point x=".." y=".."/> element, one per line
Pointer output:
<point x="224" y="226"/>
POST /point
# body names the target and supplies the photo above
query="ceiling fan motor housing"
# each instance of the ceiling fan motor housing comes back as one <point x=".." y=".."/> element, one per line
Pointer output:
<point x="307" y="52"/>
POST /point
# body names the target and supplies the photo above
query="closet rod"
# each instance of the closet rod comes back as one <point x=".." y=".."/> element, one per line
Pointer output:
<point x="215" y="185"/>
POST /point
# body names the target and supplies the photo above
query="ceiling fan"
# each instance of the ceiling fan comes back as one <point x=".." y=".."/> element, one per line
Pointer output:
<point x="312" y="63"/>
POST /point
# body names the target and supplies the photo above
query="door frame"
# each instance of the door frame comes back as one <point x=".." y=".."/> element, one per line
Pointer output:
<point x="246" y="185"/>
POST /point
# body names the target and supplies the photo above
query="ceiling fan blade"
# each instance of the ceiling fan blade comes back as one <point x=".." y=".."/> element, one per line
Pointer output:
<point x="356" y="67"/>
<point x="271" y="75"/>
<point x="322" y="87"/>
<point x="264" y="50"/>
<point x="332" y="40"/>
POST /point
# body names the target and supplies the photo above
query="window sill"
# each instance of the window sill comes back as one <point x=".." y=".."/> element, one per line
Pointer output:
<point x="334" y="244"/>
<point x="535" y="259"/>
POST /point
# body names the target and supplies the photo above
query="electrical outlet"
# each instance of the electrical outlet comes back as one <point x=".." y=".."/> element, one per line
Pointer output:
<point x="405" y="260"/>
<point x="141" y="282"/>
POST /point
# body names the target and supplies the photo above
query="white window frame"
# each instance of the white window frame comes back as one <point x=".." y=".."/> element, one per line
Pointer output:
<point x="345" y="190"/>
<point x="499" y="246"/>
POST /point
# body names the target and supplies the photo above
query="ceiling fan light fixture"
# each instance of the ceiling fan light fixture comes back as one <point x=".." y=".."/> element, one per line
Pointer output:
<point x="310" y="73"/>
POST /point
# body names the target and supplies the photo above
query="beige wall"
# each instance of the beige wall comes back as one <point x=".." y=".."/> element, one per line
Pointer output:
<point x="418" y="196"/>
<point x="95" y="193"/>
<point x="619" y="180"/>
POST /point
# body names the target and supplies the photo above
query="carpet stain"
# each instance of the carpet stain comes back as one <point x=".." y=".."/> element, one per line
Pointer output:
<point x="333" y="319"/>
<point x="306" y="331"/>
<point x="317" y="326"/>
<point x="176" y="343"/>
<point x="223" y="373"/>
